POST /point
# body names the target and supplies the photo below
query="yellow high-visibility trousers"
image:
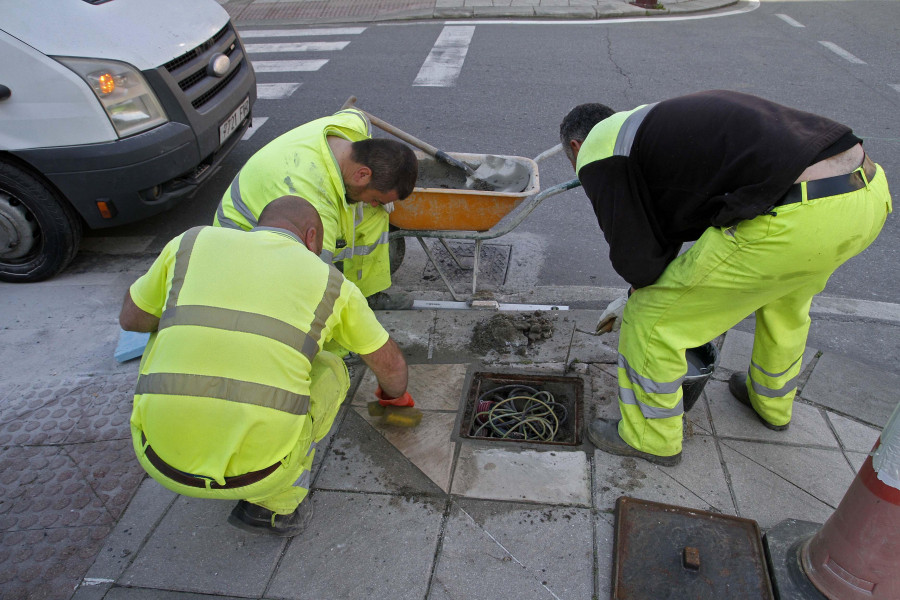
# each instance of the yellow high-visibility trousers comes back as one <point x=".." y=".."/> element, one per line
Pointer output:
<point x="772" y="265"/>
<point x="285" y="488"/>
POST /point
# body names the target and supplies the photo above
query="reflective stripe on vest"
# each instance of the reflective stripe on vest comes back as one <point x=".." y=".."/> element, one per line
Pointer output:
<point x="238" y="203"/>
<point x="234" y="320"/>
<point x="629" y="129"/>
<point x="359" y="114"/>
<point x="233" y="390"/>
<point x="348" y="252"/>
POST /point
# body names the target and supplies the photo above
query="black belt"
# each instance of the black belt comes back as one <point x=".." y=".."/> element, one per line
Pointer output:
<point x="829" y="186"/>
<point x="200" y="482"/>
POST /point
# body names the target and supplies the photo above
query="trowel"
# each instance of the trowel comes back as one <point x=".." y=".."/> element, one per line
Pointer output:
<point x="494" y="174"/>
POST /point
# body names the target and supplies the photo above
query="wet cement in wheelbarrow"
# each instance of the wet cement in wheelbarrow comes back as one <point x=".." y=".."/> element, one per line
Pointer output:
<point x="437" y="175"/>
<point x="506" y="333"/>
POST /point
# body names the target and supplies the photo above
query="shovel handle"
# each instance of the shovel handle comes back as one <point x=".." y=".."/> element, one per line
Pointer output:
<point x="410" y="139"/>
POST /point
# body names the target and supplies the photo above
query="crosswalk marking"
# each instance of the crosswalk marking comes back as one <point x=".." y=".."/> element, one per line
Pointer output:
<point x="257" y="33"/>
<point x="842" y="53"/>
<point x="284" y="66"/>
<point x="445" y="61"/>
<point x="296" y="47"/>
<point x="275" y="91"/>
<point x="255" y="124"/>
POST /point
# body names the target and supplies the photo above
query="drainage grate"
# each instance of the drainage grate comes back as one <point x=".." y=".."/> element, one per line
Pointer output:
<point x="534" y="424"/>
<point x="492" y="266"/>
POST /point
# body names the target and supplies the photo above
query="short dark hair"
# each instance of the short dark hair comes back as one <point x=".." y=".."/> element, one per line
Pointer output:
<point x="394" y="165"/>
<point x="578" y="123"/>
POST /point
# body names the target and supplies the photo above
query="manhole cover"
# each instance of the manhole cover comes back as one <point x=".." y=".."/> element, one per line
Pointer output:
<point x="492" y="266"/>
<point x="518" y="407"/>
<point x="678" y="553"/>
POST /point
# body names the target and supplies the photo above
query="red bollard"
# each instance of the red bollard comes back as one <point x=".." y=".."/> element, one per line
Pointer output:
<point x="856" y="554"/>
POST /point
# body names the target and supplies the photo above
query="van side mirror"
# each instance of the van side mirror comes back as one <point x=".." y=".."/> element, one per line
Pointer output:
<point x="5" y="92"/>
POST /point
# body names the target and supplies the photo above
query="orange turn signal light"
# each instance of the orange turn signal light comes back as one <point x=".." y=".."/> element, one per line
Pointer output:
<point x="107" y="83"/>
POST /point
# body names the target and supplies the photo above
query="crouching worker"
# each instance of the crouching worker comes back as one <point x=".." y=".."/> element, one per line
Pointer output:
<point x="234" y="389"/>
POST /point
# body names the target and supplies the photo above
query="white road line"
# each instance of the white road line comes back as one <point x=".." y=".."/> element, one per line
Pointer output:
<point x="842" y="53"/>
<point x="275" y="91"/>
<point x="445" y="61"/>
<point x="284" y="66"/>
<point x="789" y="20"/>
<point x="296" y="47"/>
<point x="896" y="86"/>
<point x="255" y="124"/>
<point x="257" y="33"/>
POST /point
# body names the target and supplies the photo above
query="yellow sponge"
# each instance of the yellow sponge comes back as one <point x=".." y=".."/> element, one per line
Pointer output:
<point x="406" y="416"/>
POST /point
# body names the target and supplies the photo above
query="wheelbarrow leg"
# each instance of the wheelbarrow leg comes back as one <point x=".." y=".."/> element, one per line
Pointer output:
<point x="475" y="266"/>
<point x="451" y="252"/>
<point x="438" y="268"/>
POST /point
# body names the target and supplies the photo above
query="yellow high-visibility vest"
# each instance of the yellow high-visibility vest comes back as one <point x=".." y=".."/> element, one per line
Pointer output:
<point x="224" y="383"/>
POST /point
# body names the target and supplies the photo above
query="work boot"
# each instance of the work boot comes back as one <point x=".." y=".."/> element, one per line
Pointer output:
<point x="605" y="436"/>
<point x="390" y="301"/>
<point x="257" y="519"/>
<point x="737" y="385"/>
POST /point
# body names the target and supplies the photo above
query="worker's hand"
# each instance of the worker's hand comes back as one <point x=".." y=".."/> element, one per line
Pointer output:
<point x="611" y="318"/>
<point x="404" y="400"/>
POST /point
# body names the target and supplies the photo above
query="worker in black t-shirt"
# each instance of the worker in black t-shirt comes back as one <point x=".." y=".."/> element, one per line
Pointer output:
<point x="775" y="198"/>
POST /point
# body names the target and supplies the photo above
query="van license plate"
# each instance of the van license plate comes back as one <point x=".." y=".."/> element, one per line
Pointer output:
<point x="231" y="124"/>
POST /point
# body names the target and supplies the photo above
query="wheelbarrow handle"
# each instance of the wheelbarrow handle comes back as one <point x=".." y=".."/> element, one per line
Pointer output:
<point x="410" y="139"/>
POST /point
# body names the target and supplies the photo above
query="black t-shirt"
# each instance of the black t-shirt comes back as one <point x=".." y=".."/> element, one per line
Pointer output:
<point x="706" y="159"/>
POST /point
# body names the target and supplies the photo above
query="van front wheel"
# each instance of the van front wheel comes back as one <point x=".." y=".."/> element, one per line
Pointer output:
<point x="39" y="231"/>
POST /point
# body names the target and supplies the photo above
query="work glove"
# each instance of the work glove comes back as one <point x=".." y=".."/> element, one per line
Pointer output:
<point x="404" y="400"/>
<point x="611" y="318"/>
<point x="388" y="207"/>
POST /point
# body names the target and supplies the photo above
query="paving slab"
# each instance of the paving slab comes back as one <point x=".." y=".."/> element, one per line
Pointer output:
<point x="733" y="419"/>
<point x="604" y="546"/>
<point x="429" y="446"/>
<point x="47" y="563"/>
<point x="853" y="388"/>
<point x="513" y="551"/>
<point x="854" y="436"/>
<point x="432" y="386"/>
<point x="146" y="509"/>
<point x="361" y="546"/>
<point x="139" y="594"/>
<point x="362" y="460"/>
<point x="212" y="557"/>
<point x="550" y="477"/>
<point x="772" y="483"/>
<point x="411" y="329"/>
<point x="698" y="482"/>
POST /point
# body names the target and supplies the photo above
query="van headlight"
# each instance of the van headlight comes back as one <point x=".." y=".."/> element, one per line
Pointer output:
<point x="122" y="90"/>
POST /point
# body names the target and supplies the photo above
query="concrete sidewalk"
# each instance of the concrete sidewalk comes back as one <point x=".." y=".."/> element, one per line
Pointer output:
<point x="261" y="12"/>
<point x="422" y="513"/>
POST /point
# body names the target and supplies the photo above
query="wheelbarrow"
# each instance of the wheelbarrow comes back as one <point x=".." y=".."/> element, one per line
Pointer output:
<point x="441" y="207"/>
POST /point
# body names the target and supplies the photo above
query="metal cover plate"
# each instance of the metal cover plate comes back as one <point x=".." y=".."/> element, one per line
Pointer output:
<point x="649" y="560"/>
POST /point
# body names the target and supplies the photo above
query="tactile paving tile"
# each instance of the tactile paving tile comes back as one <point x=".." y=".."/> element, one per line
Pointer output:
<point x="42" y="487"/>
<point x="24" y="399"/>
<point x="47" y="563"/>
<point x="106" y="416"/>
<point x="111" y="470"/>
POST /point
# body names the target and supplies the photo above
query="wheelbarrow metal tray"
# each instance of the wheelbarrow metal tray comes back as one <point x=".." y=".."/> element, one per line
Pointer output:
<point x="441" y="200"/>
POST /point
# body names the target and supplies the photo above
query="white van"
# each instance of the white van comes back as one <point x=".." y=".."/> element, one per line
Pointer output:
<point x="110" y="111"/>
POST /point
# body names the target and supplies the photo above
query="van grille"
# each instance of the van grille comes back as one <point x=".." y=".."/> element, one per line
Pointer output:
<point x="189" y="69"/>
